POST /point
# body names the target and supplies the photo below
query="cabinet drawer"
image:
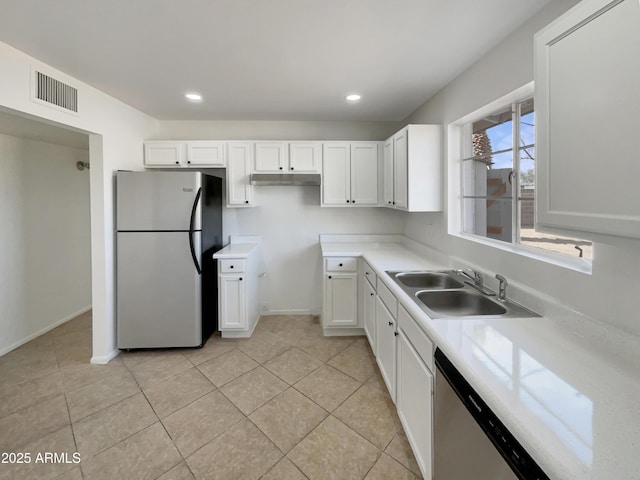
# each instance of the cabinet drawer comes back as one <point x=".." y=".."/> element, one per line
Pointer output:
<point x="369" y="274"/>
<point x="231" y="265"/>
<point x="341" y="264"/>
<point x="419" y="340"/>
<point x="387" y="297"/>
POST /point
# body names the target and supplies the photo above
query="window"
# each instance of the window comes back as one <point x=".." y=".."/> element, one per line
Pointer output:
<point x="498" y="181"/>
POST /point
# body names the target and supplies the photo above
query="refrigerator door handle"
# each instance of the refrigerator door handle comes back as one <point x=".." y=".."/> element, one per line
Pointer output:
<point x="191" y="223"/>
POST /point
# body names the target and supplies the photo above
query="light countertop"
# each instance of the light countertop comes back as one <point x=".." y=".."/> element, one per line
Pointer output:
<point x="241" y="246"/>
<point x="241" y="250"/>
<point x="566" y="386"/>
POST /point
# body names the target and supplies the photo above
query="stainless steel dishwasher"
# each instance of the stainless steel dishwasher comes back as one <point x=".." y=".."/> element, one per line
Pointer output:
<point x="469" y="439"/>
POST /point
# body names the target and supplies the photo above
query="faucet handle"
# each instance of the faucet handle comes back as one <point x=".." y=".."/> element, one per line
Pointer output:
<point x="502" y="289"/>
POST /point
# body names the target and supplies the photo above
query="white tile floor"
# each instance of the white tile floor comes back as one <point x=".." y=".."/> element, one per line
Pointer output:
<point x="286" y="404"/>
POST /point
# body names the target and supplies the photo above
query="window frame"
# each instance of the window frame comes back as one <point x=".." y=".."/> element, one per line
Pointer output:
<point x="457" y="133"/>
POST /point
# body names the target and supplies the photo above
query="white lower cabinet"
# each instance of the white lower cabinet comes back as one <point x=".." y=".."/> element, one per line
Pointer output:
<point x="232" y="302"/>
<point x="238" y="295"/>
<point x="369" y="313"/>
<point x="404" y="355"/>
<point x="341" y="300"/>
<point x="414" y="402"/>
<point x="386" y="345"/>
<point x="340" y="296"/>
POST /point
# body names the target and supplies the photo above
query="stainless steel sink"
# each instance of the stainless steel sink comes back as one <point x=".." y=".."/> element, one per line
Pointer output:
<point x="459" y="303"/>
<point x="448" y="294"/>
<point x="428" y="280"/>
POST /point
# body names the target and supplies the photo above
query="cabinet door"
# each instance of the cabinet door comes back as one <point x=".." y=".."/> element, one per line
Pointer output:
<point x="388" y="173"/>
<point x="271" y="157"/>
<point x="206" y="153"/>
<point x="163" y="154"/>
<point x="341" y="307"/>
<point x="239" y="189"/>
<point x="369" y="312"/>
<point x="400" y="169"/>
<point x="386" y="346"/>
<point x="414" y="401"/>
<point x="232" y="307"/>
<point x="364" y="174"/>
<point x="305" y="157"/>
<point x="336" y="158"/>
<point x="587" y="98"/>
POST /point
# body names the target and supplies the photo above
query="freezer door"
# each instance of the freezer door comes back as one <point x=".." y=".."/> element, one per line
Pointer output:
<point x="148" y="201"/>
<point x="158" y="290"/>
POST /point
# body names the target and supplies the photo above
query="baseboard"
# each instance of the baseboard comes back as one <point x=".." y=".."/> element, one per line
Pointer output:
<point x="240" y="333"/>
<point x="300" y="311"/>
<point x="343" y="332"/>
<point x="44" y="330"/>
<point x="105" y="359"/>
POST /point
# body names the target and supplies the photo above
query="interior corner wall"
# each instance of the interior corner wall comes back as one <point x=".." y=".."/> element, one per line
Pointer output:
<point x="289" y="220"/>
<point x="45" y="240"/>
<point x="117" y="132"/>
<point x="616" y="261"/>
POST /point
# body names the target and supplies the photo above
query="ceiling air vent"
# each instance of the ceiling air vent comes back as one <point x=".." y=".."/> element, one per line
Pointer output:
<point x="56" y="93"/>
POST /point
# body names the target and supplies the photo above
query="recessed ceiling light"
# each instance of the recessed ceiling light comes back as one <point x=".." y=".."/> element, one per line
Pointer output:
<point x="353" y="97"/>
<point x="194" y="97"/>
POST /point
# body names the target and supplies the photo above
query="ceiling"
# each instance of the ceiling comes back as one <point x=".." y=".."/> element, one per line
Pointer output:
<point x="24" y="126"/>
<point x="264" y="59"/>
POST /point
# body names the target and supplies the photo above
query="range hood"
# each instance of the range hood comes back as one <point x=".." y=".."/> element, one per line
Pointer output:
<point x="305" y="179"/>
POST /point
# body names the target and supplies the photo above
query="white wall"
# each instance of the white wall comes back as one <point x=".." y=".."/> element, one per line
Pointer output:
<point x="275" y="130"/>
<point x="12" y="255"/>
<point x="289" y="219"/>
<point x="610" y="293"/>
<point x="116" y="142"/>
<point x="45" y="239"/>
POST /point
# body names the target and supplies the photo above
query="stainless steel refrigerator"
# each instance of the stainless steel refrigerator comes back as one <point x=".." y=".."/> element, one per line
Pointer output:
<point x="168" y="226"/>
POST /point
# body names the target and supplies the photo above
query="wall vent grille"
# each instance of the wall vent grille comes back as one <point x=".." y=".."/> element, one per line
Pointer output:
<point x="55" y="92"/>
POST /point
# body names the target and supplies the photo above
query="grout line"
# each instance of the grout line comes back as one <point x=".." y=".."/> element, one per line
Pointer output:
<point x="229" y="381"/>
<point x="73" y="432"/>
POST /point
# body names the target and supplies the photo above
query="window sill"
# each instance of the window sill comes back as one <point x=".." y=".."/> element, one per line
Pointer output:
<point x="559" y="260"/>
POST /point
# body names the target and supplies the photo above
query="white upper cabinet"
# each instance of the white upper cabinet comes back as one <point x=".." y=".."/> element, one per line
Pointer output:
<point x="287" y="157"/>
<point x="271" y="157"/>
<point x="163" y="154"/>
<point x="336" y="174"/>
<point x="388" y="173"/>
<point x="239" y="188"/>
<point x="350" y="174"/>
<point x="587" y="78"/>
<point x="364" y="174"/>
<point x="413" y="169"/>
<point x="305" y="157"/>
<point x="184" y="154"/>
<point x="206" y="153"/>
<point x="401" y="169"/>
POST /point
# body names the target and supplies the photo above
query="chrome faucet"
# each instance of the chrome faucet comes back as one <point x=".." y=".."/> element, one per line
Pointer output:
<point x="474" y="275"/>
<point x="502" y="289"/>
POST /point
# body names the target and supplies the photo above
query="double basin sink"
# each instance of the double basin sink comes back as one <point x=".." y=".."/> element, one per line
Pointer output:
<point x="449" y="294"/>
